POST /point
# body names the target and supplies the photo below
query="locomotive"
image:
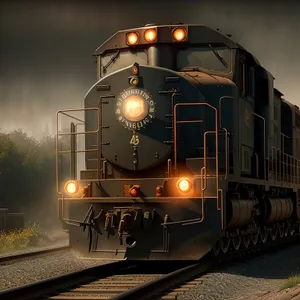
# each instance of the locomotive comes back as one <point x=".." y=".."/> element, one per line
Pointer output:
<point x="189" y="149"/>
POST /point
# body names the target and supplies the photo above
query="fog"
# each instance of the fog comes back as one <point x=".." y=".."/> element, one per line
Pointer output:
<point x="46" y="47"/>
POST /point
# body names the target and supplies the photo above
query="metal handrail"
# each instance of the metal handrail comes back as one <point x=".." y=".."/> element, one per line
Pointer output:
<point x="72" y="133"/>
<point x="288" y="166"/>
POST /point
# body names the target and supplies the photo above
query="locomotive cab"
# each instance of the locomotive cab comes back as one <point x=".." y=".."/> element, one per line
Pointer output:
<point x="184" y="47"/>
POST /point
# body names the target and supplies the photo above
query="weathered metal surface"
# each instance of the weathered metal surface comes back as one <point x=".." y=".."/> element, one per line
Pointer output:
<point x="240" y="211"/>
<point x="278" y="210"/>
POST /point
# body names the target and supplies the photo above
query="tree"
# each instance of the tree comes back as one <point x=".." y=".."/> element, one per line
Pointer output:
<point x="27" y="174"/>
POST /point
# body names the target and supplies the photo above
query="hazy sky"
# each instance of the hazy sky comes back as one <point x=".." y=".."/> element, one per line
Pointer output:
<point x="46" y="47"/>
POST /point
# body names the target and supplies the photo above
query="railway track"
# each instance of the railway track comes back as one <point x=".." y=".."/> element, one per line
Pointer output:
<point x="8" y="257"/>
<point x="118" y="280"/>
<point x="135" y="279"/>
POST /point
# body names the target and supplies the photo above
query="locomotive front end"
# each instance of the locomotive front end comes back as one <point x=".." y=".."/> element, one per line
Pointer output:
<point x="151" y="187"/>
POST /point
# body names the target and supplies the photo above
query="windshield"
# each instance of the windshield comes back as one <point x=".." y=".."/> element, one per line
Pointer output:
<point x="116" y="60"/>
<point x="210" y="57"/>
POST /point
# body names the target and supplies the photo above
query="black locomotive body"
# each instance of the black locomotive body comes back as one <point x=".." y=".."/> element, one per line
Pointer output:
<point x="188" y="148"/>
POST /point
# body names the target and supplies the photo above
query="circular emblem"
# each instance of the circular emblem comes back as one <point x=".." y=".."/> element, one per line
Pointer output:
<point x="135" y="108"/>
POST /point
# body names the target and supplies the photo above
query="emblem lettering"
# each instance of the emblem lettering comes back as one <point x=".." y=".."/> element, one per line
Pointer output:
<point x="149" y="106"/>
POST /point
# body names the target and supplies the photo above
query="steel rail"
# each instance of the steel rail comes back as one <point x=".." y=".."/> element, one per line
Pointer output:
<point x="8" y="257"/>
<point x="153" y="288"/>
<point x="105" y="281"/>
<point x="44" y="288"/>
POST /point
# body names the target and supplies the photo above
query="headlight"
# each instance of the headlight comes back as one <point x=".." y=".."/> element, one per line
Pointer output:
<point x="132" y="38"/>
<point x="179" y="34"/>
<point x="71" y="187"/>
<point x="150" y="35"/>
<point x="134" y="108"/>
<point x="184" y="185"/>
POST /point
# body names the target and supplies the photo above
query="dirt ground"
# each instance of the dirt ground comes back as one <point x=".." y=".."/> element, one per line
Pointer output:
<point x="291" y="293"/>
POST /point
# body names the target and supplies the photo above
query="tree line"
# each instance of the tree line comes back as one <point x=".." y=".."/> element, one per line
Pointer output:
<point x="27" y="174"/>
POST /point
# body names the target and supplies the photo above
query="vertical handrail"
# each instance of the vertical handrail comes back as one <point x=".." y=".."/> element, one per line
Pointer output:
<point x="226" y="151"/>
<point x="64" y="112"/>
<point x="221" y="126"/>
<point x="99" y="141"/>
<point x="296" y="170"/>
<point x="276" y="164"/>
<point x="272" y="166"/>
<point x="72" y="151"/>
<point x="264" y="122"/>
<point x="280" y="165"/>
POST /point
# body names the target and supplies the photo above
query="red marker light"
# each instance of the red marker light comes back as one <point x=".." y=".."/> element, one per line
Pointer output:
<point x="135" y="190"/>
<point x="159" y="191"/>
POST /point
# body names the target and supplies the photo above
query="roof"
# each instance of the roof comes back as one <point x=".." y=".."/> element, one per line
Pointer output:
<point x="207" y="79"/>
<point x="278" y="92"/>
<point x="196" y="34"/>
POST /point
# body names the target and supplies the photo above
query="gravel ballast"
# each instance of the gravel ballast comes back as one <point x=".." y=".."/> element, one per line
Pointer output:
<point x="45" y="266"/>
<point x="34" y="268"/>
<point x="250" y="279"/>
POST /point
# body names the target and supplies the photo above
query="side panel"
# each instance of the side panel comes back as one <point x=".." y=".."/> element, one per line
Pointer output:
<point x="247" y="135"/>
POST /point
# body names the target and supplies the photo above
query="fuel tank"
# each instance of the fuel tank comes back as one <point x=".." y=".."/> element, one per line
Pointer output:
<point x="278" y="210"/>
<point x="240" y="212"/>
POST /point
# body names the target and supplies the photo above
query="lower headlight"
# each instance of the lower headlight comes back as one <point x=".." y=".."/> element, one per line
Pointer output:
<point x="184" y="185"/>
<point x="71" y="187"/>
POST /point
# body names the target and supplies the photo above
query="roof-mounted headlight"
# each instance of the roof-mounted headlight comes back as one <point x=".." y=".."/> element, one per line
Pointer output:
<point x="132" y="38"/>
<point x="150" y="35"/>
<point x="179" y="35"/>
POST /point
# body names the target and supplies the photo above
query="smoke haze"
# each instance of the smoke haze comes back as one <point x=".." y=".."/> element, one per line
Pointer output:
<point x="46" y="47"/>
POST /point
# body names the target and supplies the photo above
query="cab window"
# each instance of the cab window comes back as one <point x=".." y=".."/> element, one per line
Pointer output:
<point x="116" y="60"/>
<point x="210" y="57"/>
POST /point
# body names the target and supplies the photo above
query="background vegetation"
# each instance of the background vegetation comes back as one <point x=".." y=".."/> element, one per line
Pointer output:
<point x="27" y="175"/>
<point x="21" y="238"/>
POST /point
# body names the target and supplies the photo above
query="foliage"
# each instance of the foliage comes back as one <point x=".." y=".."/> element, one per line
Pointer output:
<point x="27" y="173"/>
<point x="291" y="282"/>
<point x="20" y="239"/>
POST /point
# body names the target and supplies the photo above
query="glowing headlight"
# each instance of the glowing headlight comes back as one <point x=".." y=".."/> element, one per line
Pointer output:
<point x="184" y="185"/>
<point x="179" y="34"/>
<point x="150" y="35"/>
<point x="132" y="38"/>
<point x="134" y="108"/>
<point x="71" y="187"/>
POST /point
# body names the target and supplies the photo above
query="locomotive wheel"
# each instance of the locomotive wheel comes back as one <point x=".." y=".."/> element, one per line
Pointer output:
<point x="236" y="242"/>
<point x="254" y="238"/>
<point x="246" y="240"/>
<point x="264" y="235"/>
<point x="216" y="248"/>
<point x="287" y="230"/>
<point x="273" y="232"/>
<point x="225" y="243"/>
<point x="292" y="231"/>
<point x="281" y="231"/>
